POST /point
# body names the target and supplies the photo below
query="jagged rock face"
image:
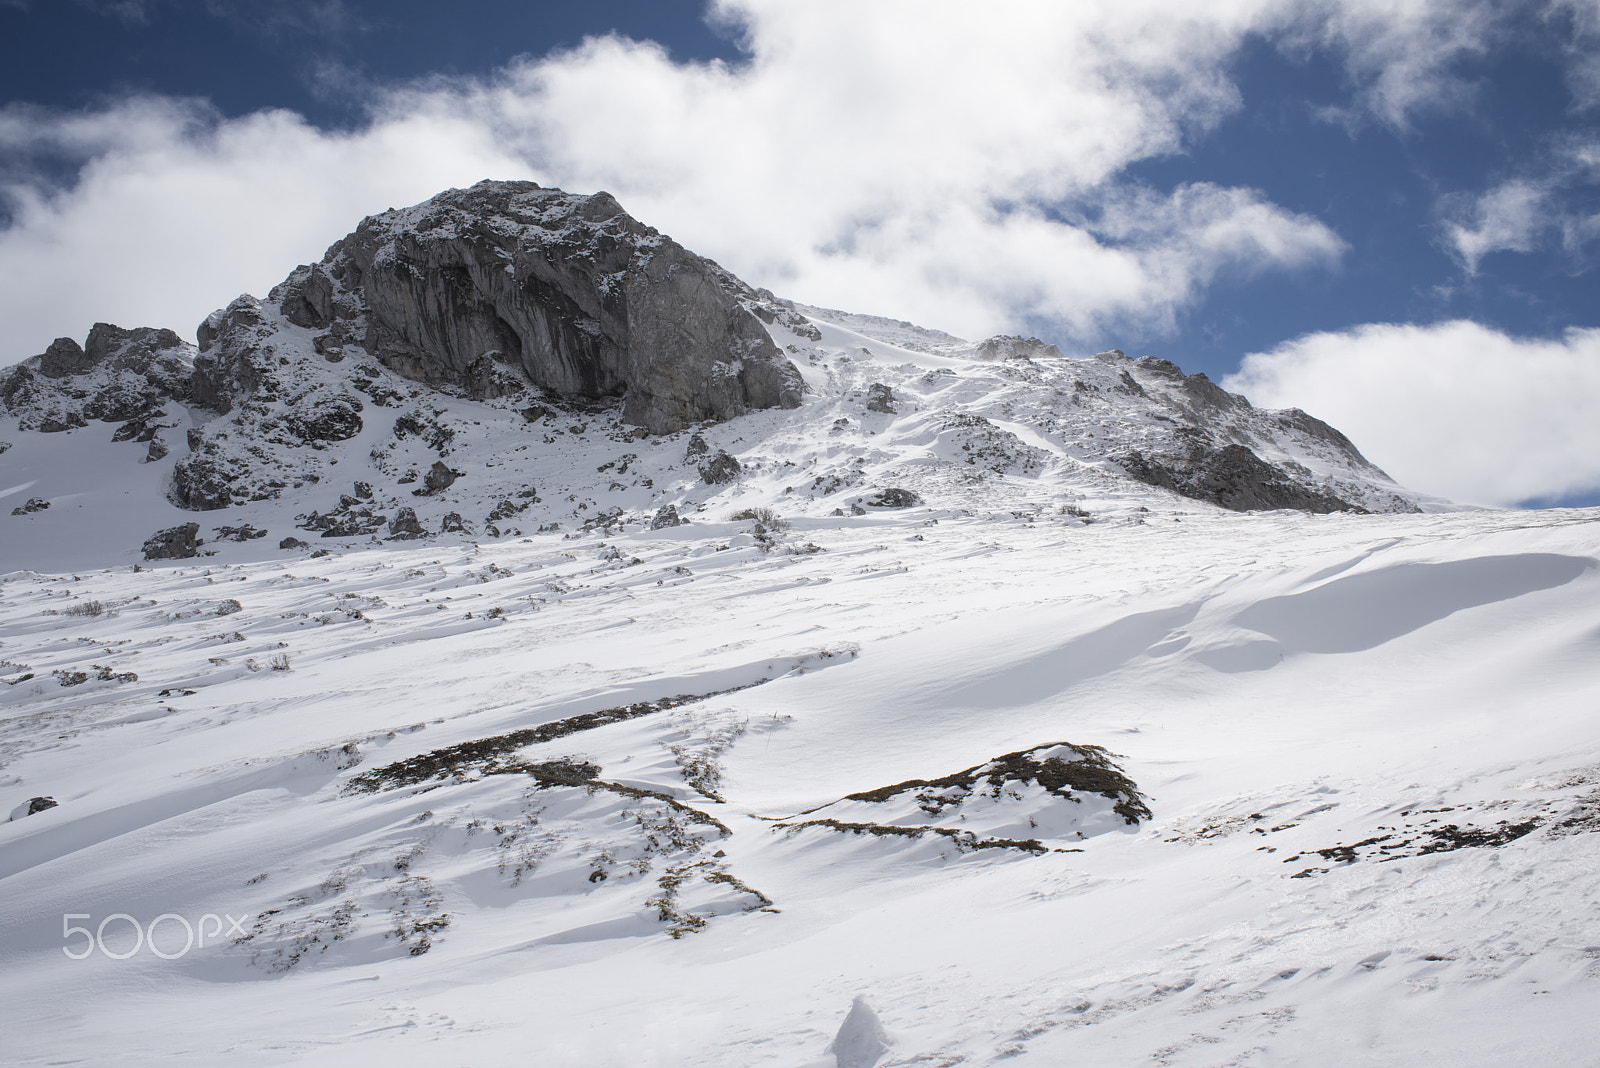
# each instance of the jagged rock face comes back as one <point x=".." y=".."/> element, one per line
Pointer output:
<point x="1235" y="478"/>
<point x="479" y="288"/>
<point x="118" y="376"/>
<point x="1010" y="347"/>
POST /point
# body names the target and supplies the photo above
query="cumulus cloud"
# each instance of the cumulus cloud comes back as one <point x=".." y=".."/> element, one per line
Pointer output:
<point x="1455" y="409"/>
<point x="956" y="164"/>
<point x="176" y="212"/>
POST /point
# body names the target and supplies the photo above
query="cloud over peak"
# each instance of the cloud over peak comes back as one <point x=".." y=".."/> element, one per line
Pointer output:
<point x="935" y="161"/>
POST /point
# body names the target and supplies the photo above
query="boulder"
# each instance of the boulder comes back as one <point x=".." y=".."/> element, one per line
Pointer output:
<point x="31" y="806"/>
<point x="438" y="479"/>
<point x="405" y="525"/>
<point x="174" y="543"/>
<point x="893" y="497"/>
<point x="720" y="469"/>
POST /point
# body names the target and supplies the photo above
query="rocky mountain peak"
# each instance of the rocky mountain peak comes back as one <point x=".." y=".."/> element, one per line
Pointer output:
<point x="505" y="284"/>
<point x="509" y="358"/>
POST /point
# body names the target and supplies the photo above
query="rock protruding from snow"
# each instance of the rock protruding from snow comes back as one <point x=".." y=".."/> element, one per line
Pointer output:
<point x="666" y="516"/>
<point x="880" y="398"/>
<point x="720" y="469"/>
<point x="490" y="288"/>
<point x="1011" y="347"/>
<point x="1231" y="476"/>
<point x="861" y="1041"/>
<point x="438" y="479"/>
<point x="174" y="543"/>
<point x="31" y="806"/>
<point x="117" y="376"/>
<point x="1023" y="801"/>
<point x="405" y="525"/>
<point x="893" y="497"/>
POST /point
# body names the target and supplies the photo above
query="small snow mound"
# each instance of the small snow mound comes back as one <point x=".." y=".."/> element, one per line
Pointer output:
<point x="861" y="1041"/>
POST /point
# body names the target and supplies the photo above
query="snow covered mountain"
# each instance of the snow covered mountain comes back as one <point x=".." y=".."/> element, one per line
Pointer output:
<point x="568" y="365"/>
<point x="437" y="664"/>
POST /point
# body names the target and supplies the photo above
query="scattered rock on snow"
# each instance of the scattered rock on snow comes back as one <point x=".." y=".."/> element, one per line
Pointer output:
<point x="246" y="532"/>
<point x="35" y="504"/>
<point x="893" y="497"/>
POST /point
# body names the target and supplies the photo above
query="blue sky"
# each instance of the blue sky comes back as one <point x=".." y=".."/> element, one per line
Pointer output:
<point x="1385" y="214"/>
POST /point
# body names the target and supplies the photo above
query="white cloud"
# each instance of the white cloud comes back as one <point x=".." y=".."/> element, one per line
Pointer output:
<point x="1527" y="213"/>
<point x="1511" y="217"/>
<point x="176" y="213"/>
<point x="1455" y="409"/>
<point x="1582" y="18"/>
<point x="1400" y="54"/>
<point x="953" y="163"/>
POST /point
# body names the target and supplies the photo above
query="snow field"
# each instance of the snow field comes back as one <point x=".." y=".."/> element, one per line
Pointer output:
<point x="1338" y="721"/>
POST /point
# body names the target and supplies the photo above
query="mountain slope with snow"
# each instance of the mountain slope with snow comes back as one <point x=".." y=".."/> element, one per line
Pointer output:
<point x="989" y="706"/>
<point x="569" y="794"/>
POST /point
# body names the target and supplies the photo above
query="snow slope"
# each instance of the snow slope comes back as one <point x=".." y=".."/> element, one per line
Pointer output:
<point x="905" y="727"/>
<point x="539" y="797"/>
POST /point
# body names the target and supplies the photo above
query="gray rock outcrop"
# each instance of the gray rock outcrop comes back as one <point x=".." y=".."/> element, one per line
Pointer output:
<point x="405" y="525"/>
<point x="720" y="469"/>
<point x="438" y="479"/>
<point x="880" y="398"/>
<point x="893" y="497"/>
<point x="666" y="516"/>
<point x="174" y="543"/>
<point x="490" y="288"/>
<point x="1230" y="476"/>
<point x="117" y="376"/>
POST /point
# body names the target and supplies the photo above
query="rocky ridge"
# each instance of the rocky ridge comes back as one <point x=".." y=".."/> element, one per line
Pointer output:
<point x="507" y="359"/>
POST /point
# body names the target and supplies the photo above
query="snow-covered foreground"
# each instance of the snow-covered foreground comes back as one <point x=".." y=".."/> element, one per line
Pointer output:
<point x="538" y="800"/>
